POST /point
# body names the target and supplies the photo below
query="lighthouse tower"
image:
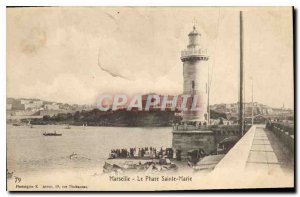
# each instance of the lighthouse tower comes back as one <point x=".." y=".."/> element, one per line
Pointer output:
<point x="187" y="137"/>
<point x="195" y="75"/>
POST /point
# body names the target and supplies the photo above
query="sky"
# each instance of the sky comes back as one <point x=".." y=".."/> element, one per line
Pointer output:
<point x="74" y="54"/>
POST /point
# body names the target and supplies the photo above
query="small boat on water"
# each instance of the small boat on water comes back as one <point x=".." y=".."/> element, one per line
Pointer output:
<point x="68" y="127"/>
<point x="52" y="134"/>
<point x="16" y="124"/>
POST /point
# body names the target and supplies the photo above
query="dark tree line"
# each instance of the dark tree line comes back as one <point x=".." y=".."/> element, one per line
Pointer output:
<point x="120" y="117"/>
<point x="96" y="117"/>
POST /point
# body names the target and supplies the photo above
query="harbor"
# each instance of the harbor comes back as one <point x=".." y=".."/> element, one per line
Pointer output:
<point x="211" y="109"/>
<point x="195" y="142"/>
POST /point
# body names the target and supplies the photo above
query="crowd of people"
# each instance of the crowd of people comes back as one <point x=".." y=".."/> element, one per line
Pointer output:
<point x="185" y="125"/>
<point x="146" y="152"/>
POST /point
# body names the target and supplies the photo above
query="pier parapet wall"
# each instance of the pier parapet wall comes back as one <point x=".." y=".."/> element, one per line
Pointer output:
<point x="285" y="133"/>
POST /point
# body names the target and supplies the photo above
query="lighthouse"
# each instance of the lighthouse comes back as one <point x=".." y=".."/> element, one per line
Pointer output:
<point x="193" y="136"/>
<point x="195" y="78"/>
<point x="190" y="136"/>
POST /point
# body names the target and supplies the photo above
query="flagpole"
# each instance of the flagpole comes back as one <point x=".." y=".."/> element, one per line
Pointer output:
<point x="252" y="101"/>
<point x="241" y="119"/>
<point x="208" y="91"/>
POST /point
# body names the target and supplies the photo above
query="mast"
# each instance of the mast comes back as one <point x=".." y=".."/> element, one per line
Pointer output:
<point x="208" y="91"/>
<point x="241" y="118"/>
<point x="252" y="103"/>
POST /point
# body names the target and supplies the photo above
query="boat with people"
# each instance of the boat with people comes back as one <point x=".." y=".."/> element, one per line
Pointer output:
<point x="52" y="134"/>
<point x="138" y="165"/>
<point x="140" y="160"/>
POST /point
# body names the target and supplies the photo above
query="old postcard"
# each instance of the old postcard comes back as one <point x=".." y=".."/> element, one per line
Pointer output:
<point x="149" y="98"/>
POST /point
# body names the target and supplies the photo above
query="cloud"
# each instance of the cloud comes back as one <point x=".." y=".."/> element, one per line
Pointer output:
<point x="64" y="88"/>
<point x="52" y="53"/>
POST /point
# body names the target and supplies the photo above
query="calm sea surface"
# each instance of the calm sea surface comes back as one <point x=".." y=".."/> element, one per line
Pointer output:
<point x="28" y="150"/>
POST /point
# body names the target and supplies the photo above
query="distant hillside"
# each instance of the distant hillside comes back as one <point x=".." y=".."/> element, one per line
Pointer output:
<point x="96" y="117"/>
